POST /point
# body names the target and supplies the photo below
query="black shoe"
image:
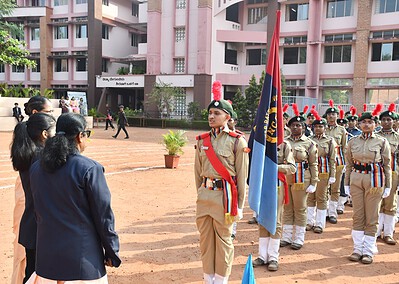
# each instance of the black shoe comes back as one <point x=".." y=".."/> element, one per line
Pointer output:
<point x="253" y="221"/>
<point x="340" y="212"/>
<point x="296" y="246"/>
<point x="113" y="136"/>
<point x="284" y="243"/>
<point x="233" y="237"/>
<point x="258" y="262"/>
<point x="332" y="220"/>
<point x="127" y="137"/>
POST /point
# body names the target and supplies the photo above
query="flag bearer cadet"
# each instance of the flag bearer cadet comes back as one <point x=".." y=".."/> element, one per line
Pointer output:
<point x="269" y="244"/>
<point x="301" y="183"/>
<point x="339" y="134"/>
<point x="326" y="150"/>
<point x="221" y="170"/>
<point x="368" y="158"/>
<point x="386" y="221"/>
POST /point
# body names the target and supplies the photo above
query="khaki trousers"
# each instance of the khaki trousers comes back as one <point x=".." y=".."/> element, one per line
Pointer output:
<point x="217" y="250"/>
<point x="366" y="203"/>
<point x="389" y="204"/>
<point x="320" y="196"/>
<point x="295" y="211"/>
<point x="263" y="233"/>
<point x="336" y="186"/>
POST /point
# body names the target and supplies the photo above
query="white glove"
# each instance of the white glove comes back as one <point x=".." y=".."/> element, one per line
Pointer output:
<point x="344" y="169"/>
<point x="386" y="193"/>
<point x="347" y="189"/>
<point x="311" y="189"/>
<point x="240" y="213"/>
<point x="331" y="180"/>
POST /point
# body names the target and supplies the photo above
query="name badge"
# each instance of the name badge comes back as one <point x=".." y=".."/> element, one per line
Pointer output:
<point x="204" y="148"/>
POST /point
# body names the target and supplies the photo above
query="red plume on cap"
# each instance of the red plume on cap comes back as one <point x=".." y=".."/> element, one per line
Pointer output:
<point x="377" y="110"/>
<point x="315" y="113"/>
<point x="313" y="107"/>
<point x="341" y="113"/>
<point x="230" y="102"/>
<point x="364" y="107"/>
<point x="353" y="110"/>
<point x="305" y="109"/>
<point x="392" y="107"/>
<point x="285" y="107"/>
<point x="295" y="109"/>
<point x="217" y="90"/>
<point x="331" y="103"/>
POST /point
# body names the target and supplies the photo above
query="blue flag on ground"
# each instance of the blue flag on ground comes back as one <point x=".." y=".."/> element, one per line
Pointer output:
<point x="268" y="132"/>
<point x="248" y="277"/>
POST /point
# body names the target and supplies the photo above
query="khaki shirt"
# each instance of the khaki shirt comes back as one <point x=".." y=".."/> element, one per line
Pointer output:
<point x="374" y="149"/>
<point x="232" y="155"/>
<point x="287" y="131"/>
<point x="393" y="140"/>
<point x="327" y="147"/>
<point x="304" y="149"/>
<point x="285" y="158"/>
<point x="338" y="132"/>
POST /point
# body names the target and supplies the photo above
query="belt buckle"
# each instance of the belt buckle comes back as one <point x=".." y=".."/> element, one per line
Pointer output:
<point x="209" y="183"/>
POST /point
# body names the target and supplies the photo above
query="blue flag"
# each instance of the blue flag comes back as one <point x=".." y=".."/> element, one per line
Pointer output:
<point x="267" y="133"/>
<point x="248" y="277"/>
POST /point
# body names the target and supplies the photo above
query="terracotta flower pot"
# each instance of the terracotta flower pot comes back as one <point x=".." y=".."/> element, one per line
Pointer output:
<point x="171" y="161"/>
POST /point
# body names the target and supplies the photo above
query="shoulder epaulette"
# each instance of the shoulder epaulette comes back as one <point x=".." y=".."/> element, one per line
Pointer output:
<point x="202" y="136"/>
<point x="234" y="134"/>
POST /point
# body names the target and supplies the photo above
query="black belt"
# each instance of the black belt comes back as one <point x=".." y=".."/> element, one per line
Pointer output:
<point x="306" y="165"/>
<point x="362" y="167"/>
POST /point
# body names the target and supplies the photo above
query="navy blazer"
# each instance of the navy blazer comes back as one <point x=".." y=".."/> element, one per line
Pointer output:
<point x="75" y="222"/>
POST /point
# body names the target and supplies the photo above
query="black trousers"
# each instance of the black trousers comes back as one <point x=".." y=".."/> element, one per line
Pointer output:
<point x="30" y="263"/>
<point x="108" y="122"/>
<point x="119" y="129"/>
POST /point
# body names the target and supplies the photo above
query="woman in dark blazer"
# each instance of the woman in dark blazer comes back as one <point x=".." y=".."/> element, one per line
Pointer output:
<point x="75" y="222"/>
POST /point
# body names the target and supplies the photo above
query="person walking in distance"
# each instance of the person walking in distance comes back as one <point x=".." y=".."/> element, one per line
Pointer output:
<point x="301" y="183"/>
<point x="386" y="221"/>
<point x="326" y="150"/>
<point x="368" y="179"/>
<point x="122" y="121"/>
<point x="220" y="171"/>
<point x="17" y="113"/>
<point x="108" y="118"/>
<point x="339" y="134"/>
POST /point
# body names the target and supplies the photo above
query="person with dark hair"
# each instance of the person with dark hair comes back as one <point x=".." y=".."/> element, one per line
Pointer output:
<point x="301" y="183"/>
<point x="75" y="223"/>
<point x="36" y="104"/>
<point x="17" y="113"/>
<point x="122" y="121"/>
<point x="108" y="118"/>
<point x="28" y="141"/>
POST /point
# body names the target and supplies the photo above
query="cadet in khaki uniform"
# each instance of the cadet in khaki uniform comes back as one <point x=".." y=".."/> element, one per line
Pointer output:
<point x="326" y="150"/>
<point x="214" y="215"/>
<point x="304" y="181"/>
<point x="339" y="134"/>
<point x="368" y="158"/>
<point x="386" y="221"/>
<point x="269" y="244"/>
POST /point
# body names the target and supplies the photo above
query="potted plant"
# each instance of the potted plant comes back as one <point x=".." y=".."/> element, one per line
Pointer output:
<point x="173" y="141"/>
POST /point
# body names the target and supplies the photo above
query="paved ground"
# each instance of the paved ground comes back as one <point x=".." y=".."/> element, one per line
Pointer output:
<point x="155" y="218"/>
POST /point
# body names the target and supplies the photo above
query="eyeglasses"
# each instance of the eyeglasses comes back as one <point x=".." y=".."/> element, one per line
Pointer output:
<point x="87" y="133"/>
<point x="48" y="111"/>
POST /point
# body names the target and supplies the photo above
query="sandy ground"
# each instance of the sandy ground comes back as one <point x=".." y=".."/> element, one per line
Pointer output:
<point x="155" y="217"/>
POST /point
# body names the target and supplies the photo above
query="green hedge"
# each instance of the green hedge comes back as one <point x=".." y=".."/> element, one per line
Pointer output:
<point x="168" y="123"/>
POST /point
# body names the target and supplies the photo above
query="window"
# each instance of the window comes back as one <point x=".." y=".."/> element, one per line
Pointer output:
<point x="180" y="34"/>
<point x="230" y="53"/>
<point x="257" y="15"/>
<point x="294" y="55"/>
<point x="104" y="65"/>
<point x="387" y="51"/>
<point x="81" y="31"/>
<point x="106" y="2"/>
<point x="339" y="96"/>
<point x="37" y="68"/>
<point x="385" y="96"/>
<point x="38" y="3"/>
<point x="180" y="4"/>
<point x="2" y="69"/>
<point x="180" y="103"/>
<point x="386" y="34"/>
<point x="60" y="2"/>
<point x="256" y="1"/>
<point x="105" y="32"/>
<point x="179" y="65"/>
<point x="61" y="32"/>
<point x="297" y="12"/>
<point x="135" y="9"/>
<point x="81" y="1"/>
<point x="338" y="37"/>
<point x="134" y="40"/>
<point x="18" y="69"/>
<point x="337" y="53"/>
<point x="35" y="34"/>
<point x="339" y="8"/>
<point x="295" y="39"/>
<point x="81" y="64"/>
<point x="61" y="65"/>
<point x="256" y="56"/>
<point x="386" y="6"/>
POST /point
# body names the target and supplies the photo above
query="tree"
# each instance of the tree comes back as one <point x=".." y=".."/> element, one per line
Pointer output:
<point x="163" y="95"/>
<point x="12" y="51"/>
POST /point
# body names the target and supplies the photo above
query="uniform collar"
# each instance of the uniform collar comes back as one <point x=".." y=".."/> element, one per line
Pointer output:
<point x="297" y="139"/>
<point x="318" y="137"/>
<point x="369" y="135"/>
<point x="216" y="131"/>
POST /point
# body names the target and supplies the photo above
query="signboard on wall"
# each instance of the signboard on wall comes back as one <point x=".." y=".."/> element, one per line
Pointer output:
<point x="131" y="81"/>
